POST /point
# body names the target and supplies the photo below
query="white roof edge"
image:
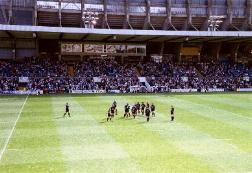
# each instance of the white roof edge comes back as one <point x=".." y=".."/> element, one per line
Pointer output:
<point x="70" y="30"/>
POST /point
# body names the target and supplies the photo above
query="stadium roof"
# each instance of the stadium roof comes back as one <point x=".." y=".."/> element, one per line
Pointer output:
<point x="121" y="35"/>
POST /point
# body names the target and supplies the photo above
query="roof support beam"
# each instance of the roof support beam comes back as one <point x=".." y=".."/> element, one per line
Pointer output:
<point x="204" y="27"/>
<point x="247" y="23"/>
<point x="9" y="34"/>
<point x="130" y="38"/>
<point x="126" y="23"/>
<point x="188" y="21"/>
<point x="108" y="38"/>
<point x="150" y="39"/>
<point x="147" y="18"/>
<point x="4" y="14"/>
<point x="105" y="17"/>
<point x="228" y="21"/>
<point x="60" y="24"/>
<point x="84" y="37"/>
<point x="174" y="39"/>
<point x="168" y="22"/>
<point x="35" y="13"/>
<point x="10" y="13"/>
<point x="82" y="9"/>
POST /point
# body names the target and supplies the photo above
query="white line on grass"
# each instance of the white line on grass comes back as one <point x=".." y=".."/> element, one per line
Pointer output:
<point x="12" y="130"/>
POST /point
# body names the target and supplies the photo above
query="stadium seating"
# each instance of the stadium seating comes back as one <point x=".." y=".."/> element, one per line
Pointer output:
<point x="52" y="76"/>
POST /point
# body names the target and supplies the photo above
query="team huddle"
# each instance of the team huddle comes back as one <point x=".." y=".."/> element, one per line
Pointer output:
<point x="135" y="110"/>
<point x="145" y="109"/>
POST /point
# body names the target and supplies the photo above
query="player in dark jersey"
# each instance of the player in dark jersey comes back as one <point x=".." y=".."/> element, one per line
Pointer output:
<point x="114" y="104"/>
<point x="153" y="109"/>
<point x="138" y="107"/>
<point x="172" y="113"/>
<point x="147" y="113"/>
<point x="134" y="111"/>
<point x="126" y="110"/>
<point x="67" y="111"/>
<point x="111" y="113"/>
<point x="142" y="108"/>
<point x="147" y="105"/>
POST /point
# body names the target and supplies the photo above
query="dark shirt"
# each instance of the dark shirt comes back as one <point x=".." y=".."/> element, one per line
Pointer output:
<point x="172" y="111"/>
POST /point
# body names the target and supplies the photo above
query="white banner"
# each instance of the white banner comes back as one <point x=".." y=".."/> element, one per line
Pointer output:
<point x="246" y="78"/>
<point x="244" y="89"/>
<point x="184" y="79"/>
<point x="134" y="88"/>
<point x="183" y="90"/>
<point x="142" y="79"/>
<point x="76" y="91"/>
<point x="37" y="92"/>
<point x="215" y="90"/>
<point x="23" y="79"/>
<point x="97" y="79"/>
<point x="87" y="91"/>
<point x="114" y="91"/>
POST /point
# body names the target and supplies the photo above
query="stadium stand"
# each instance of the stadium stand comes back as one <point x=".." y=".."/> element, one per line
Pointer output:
<point x="125" y="45"/>
<point x="52" y="77"/>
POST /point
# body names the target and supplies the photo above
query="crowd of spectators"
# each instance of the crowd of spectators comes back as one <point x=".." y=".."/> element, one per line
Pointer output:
<point x="203" y="76"/>
<point x="53" y="76"/>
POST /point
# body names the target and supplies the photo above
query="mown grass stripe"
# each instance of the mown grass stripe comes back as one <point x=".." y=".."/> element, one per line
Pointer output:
<point x="153" y="150"/>
<point x="213" y="113"/>
<point x="12" y="130"/>
<point x="27" y="154"/>
<point x="202" y="144"/>
<point x="103" y="149"/>
<point x="241" y="109"/>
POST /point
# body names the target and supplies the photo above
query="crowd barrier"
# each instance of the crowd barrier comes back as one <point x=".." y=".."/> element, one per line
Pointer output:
<point x="244" y="89"/>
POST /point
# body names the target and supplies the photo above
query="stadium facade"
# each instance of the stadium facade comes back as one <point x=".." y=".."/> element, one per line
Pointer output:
<point x="130" y="31"/>
<point x="149" y="16"/>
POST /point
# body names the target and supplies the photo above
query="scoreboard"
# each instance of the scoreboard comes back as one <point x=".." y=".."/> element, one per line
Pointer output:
<point x="103" y="48"/>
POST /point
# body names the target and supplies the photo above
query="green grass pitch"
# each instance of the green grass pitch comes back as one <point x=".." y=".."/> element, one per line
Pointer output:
<point x="211" y="133"/>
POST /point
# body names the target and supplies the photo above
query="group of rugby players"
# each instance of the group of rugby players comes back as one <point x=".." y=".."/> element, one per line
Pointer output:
<point x="136" y="109"/>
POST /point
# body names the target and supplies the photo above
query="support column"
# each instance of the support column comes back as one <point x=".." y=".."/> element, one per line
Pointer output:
<point x="199" y="54"/>
<point x="178" y="52"/>
<point x="234" y="52"/>
<point x="82" y="9"/>
<point x="188" y="21"/>
<point x="105" y="17"/>
<point x="4" y="14"/>
<point x="35" y="13"/>
<point x="127" y="16"/>
<point x="162" y="48"/>
<point x="247" y="23"/>
<point x="37" y="46"/>
<point x="249" y="11"/>
<point x="204" y="27"/>
<point x="10" y="20"/>
<point x="13" y="48"/>
<point x="217" y="51"/>
<point x="229" y="18"/>
<point x="147" y="19"/>
<point x="60" y="13"/>
<point x="122" y="59"/>
<point x="168" y="20"/>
